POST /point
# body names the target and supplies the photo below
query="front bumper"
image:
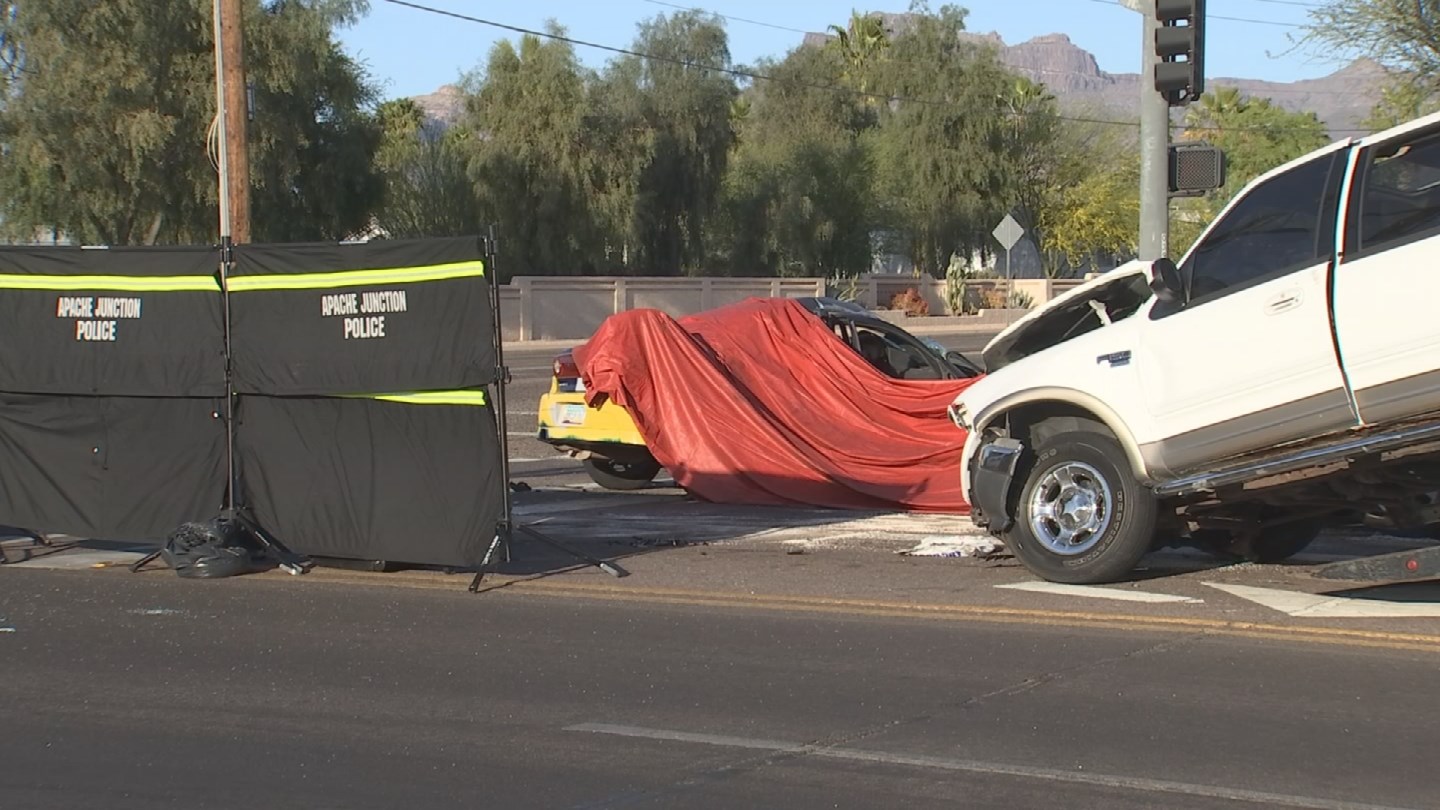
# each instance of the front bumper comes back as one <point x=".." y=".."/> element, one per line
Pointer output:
<point x="991" y="477"/>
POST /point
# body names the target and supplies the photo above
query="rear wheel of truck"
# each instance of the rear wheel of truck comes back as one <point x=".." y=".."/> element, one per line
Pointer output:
<point x="1081" y="516"/>
<point x="624" y="475"/>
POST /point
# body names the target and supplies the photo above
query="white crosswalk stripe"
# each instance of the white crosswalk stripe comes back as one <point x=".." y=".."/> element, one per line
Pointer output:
<point x="1333" y="606"/>
<point x="1094" y="592"/>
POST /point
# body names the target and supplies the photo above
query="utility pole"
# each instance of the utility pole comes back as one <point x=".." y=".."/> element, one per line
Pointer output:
<point x="233" y="116"/>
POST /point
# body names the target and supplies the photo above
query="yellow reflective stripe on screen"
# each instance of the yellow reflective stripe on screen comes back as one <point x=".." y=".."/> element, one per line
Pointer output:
<point x="358" y="278"/>
<point x="10" y="281"/>
<point x="430" y="397"/>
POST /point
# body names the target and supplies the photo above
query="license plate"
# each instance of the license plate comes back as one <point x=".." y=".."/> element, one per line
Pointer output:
<point x="569" y="414"/>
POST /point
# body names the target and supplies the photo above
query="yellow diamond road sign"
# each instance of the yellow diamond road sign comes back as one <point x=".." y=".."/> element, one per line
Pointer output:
<point x="1008" y="232"/>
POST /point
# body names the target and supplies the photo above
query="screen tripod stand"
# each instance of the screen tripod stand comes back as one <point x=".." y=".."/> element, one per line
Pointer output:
<point x="231" y="513"/>
<point x="508" y="528"/>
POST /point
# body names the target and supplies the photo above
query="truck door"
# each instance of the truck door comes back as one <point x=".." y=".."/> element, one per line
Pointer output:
<point x="1387" y="315"/>
<point x="1248" y="361"/>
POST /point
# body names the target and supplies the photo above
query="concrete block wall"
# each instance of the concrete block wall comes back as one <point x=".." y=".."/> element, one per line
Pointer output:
<point x="573" y="307"/>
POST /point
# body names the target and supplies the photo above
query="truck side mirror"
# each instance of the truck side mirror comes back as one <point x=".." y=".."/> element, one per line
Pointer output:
<point x="1165" y="281"/>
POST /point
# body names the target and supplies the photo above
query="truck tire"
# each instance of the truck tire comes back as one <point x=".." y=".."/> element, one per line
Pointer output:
<point x="622" y="475"/>
<point x="1081" y="516"/>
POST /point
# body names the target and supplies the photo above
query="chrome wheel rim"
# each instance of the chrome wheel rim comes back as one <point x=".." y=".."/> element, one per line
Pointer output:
<point x="1070" y="508"/>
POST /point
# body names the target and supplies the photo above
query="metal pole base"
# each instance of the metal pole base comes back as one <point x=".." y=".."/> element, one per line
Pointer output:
<point x="506" y="533"/>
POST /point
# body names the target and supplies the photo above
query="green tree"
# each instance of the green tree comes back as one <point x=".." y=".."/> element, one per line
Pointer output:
<point x="1088" y="197"/>
<point x="525" y="117"/>
<point x="104" y="122"/>
<point x="107" y="109"/>
<point x="1255" y="134"/>
<point x="427" y="186"/>
<point x="678" y="135"/>
<point x="619" y="140"/>
<point x="315" y="133"/>
<point x="797" y="190"/>
<point x="1096" y="216"/>
<point x="939" y="149"/>
<point x="1037" y="173"/>
<point x="861" y="46"/>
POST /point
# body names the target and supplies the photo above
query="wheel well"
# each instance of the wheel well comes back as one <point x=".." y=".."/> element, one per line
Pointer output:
<point x="1019" y="421"/>
<point x="1023" y="418"/>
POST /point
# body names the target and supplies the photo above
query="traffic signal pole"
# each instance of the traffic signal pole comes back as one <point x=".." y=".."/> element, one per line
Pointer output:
<point x="1172" y="74"/>
<point x="1154" y="146"/>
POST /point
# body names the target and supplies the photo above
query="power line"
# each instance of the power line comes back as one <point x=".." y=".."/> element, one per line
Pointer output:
<point x="753" y="76"/>
<point x="1209" y="16"/>
<point x="686" y="63"/>
<point x="1046" y="71"/>
<point x="729" y="17"/>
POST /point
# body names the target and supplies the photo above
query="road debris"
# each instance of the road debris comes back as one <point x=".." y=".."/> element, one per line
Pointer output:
<point x="940" y="545"/>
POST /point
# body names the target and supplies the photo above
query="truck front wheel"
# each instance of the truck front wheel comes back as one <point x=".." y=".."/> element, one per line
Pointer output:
<point x="1082" y="517"/>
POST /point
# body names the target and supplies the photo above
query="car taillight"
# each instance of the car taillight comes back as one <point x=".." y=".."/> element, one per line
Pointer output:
<point x="567" y="374"/>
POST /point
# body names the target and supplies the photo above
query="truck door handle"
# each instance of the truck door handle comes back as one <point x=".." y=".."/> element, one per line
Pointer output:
<point x="1284" y="301"/>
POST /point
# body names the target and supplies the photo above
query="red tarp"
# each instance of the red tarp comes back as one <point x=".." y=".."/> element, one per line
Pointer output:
<point x="761" y="403"/>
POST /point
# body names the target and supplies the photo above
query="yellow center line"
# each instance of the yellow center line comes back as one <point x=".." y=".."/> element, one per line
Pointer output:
<point x="993" y="614"/>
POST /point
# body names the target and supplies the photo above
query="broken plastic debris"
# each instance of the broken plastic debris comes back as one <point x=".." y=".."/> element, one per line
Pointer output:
<point x="955" y="546"/>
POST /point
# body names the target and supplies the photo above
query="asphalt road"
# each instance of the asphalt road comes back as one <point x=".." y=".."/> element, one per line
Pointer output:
<point x="742" y="665"/>
<point x="145" y="691"/>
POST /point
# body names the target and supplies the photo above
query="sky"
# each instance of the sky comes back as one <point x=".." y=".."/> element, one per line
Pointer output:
<point x="412" y="52"/>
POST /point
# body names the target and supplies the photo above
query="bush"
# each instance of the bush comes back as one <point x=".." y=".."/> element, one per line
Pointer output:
<point x="911" y="302"/>
<point x="993" y="298"/>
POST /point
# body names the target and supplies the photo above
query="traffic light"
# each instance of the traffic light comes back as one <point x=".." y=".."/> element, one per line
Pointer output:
<point x="1180" y="44"/>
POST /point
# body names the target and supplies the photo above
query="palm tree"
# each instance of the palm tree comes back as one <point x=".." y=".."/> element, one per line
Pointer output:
<point x="861" y="45"/>
<point x="1212" y="109"/>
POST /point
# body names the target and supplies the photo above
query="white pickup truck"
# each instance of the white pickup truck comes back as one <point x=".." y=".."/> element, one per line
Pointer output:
<point x="1282" y="378"/>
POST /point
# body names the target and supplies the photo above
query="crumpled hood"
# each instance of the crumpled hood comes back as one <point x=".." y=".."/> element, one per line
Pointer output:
<point x="1060" y="318"/>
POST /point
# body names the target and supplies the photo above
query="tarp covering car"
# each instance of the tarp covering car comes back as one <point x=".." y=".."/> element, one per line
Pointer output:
<point x="760" y="403"/>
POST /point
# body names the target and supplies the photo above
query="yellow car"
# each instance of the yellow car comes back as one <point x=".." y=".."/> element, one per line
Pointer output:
<point x="614" y="452"/>
<point x="604" y="438"/>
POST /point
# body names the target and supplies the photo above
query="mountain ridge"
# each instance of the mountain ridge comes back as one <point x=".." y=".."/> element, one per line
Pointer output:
<point x="1341" y="100"/>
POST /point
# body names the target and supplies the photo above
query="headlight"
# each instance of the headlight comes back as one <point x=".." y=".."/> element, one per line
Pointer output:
<point x="959" y="415"/>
